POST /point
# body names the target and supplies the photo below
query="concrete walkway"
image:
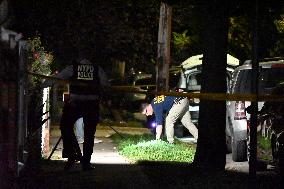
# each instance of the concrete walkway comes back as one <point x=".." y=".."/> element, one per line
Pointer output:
<point x="105" y="152"/>
<point x="111" y="169"/>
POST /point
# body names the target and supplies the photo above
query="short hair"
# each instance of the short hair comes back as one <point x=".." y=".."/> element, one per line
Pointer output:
<point x="143" y="107"/>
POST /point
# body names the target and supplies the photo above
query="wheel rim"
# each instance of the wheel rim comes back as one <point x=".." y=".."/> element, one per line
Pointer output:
<point x="248" y="145"/>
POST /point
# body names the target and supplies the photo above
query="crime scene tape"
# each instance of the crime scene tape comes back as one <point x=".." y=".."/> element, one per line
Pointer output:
<point x="203" y="96"/>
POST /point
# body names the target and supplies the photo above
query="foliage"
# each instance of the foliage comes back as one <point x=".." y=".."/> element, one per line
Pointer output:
<point x="181" y="42"/>
<point x="126" y="30"/>
<point x="186" y="29"/>
<point x="278" y="49"/>
<point x="39" y="60"/>
<point x="279" y="23"/>
<point x="239" y="37"/>
<point x="143" y="148"/>
<point x="115" y="30"/>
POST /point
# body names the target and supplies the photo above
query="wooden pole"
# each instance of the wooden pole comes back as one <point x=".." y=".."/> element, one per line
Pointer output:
<point x="163" y="57"/>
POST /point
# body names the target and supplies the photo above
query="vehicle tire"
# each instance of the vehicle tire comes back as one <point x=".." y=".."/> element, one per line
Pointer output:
<point x="248" y="144"/>
<point x="281" y="161"/>
<point x="229" y="144"/>
<point x="273" y="146"/>
<point x="239" y="150"/>
<point x="179" y="130"/>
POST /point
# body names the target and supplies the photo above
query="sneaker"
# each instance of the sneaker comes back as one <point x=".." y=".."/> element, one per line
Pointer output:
<point x="171" y="142"/>
<point x="80" y="140"/>
<point x="96" y="141"/>
<point x="78" y="158"/>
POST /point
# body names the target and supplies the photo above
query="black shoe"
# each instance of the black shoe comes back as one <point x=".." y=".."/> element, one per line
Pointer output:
<point x="87" y="167"/>
<point x="78" y="158"/>
<point x="69" y="164"/>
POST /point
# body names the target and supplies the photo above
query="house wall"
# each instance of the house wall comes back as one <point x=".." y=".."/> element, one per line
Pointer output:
<point x="8" y="116"/>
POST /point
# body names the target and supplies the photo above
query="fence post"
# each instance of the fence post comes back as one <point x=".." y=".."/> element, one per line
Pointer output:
<point x="22" y="104"/>
<point x="46" y="126"/>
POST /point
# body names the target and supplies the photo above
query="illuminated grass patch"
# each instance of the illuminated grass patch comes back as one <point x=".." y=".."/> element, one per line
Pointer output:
<point x="144" y="148"/>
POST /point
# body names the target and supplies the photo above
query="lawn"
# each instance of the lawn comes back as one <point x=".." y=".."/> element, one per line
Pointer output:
<point x="144" y="148"/>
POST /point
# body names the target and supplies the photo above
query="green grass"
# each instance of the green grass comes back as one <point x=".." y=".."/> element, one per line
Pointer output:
<point x="264" y="142"/>
<point x="264" y="148"/>
<point x="144" y="148"/>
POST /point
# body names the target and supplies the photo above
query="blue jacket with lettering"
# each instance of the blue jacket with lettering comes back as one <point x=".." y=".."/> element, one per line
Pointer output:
<point x="161" y="105"/>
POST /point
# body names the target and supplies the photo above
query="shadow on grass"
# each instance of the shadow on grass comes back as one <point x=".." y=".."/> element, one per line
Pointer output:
<point x="146" y="175"/>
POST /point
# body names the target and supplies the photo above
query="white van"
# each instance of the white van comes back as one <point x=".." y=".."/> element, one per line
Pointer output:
<point x="190" y="82"/>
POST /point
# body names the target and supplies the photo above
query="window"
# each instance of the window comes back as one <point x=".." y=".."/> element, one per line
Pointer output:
<point x="145" y="81"/>
<point x="193" y="82"/>
<point x="268" y="79"/>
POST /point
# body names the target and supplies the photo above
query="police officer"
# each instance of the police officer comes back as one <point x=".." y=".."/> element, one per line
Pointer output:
<point x="88" y="82"/>
<point x="174" y="108"/>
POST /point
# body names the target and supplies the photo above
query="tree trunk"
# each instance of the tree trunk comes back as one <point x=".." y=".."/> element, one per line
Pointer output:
<point x="211" y="151"/>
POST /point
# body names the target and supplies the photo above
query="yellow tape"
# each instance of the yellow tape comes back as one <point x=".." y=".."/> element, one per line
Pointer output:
<point x="203" y="96"/>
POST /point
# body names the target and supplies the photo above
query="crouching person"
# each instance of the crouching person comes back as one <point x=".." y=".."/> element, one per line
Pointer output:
<point x="173" y="108"/>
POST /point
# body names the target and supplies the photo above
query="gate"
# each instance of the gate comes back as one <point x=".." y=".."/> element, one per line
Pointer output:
<point x="24" y="126"/>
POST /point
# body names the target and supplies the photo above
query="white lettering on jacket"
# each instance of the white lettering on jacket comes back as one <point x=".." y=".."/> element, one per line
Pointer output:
<point x="85" y="72"/>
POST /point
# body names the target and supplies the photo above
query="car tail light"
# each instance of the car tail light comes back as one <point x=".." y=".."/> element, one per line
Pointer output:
<point x="248" y="124"/>
<point x="240" y="110"/>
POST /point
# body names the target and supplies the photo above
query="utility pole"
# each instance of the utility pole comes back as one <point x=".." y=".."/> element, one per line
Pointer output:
<point x="163" y="57"/>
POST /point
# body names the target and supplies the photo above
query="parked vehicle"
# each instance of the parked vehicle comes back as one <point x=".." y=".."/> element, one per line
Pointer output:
<point x="190" y="82"/>
<point x="140" y="82"/>
<point x="271" y="124"/>
<point x="271" y="72"/>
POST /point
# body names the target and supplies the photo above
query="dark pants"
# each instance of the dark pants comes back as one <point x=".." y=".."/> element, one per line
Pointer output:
<point x="72" y="111"/>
